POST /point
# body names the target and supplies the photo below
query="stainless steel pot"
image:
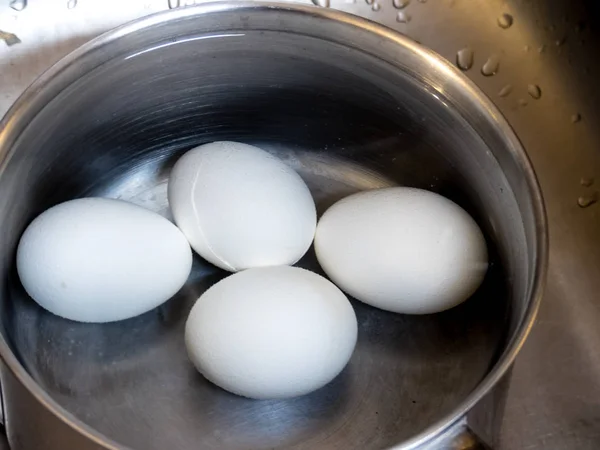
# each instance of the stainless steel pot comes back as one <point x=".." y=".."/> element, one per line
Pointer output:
<point x="348" y="103"/>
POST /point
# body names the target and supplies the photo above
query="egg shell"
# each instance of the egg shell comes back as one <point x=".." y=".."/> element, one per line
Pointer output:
<point x="272" y="332"/>
<point x="241" y="207"/>
<point x="401" y="249"/>
<point x="102" y="260"/>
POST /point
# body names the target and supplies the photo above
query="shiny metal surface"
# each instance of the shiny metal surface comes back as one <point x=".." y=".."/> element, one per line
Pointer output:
<point x="328" y="178"/>
<point x="114" y="116"/>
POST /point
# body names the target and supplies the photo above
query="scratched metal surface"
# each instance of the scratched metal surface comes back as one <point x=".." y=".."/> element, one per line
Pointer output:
<point x="554" y="396"/>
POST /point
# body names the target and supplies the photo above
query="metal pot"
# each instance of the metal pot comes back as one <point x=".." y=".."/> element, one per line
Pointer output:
<point x="348" y="103"/>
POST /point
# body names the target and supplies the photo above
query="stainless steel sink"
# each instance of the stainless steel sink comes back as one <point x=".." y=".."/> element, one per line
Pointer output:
<point x="545" y="83"/>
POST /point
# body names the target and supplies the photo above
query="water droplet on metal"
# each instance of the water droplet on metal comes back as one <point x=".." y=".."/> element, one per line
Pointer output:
<point x="526" y="48"/>
<point x="71" y="4"/>
<point x="534" y="91"/>
<point x="376" y="7"/>
<point x="560" y="41"/>
<point x="505" y="21"/>
<point x="9" y="39"/>
<point x="576" y="118"/>
<point x="464" y="58"/>
<point x="542" y="48"/>
<point x="369" y="2"/>
<point x="322" y="3"/>
<point x="522" y="102"/>
<point x="400" y="4"/>
<point x="587" y="200"/>
<point x="174" y="4"/>
<point x="491" y="66"/>
<point x="586" y="181"/>
<point x="18" y="5"/>
<point x="505" y="90"/>
<point x="403" y="17"/>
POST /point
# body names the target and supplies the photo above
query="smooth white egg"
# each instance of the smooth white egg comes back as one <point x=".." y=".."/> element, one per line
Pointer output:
<point x="241" y="207"/>
<point x="273" y="332"/>
<point x="102" y="260"/>
<point x="402" y="249"/>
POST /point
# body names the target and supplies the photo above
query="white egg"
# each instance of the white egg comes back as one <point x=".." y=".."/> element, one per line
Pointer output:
<point x="402" y="249"/>
<point x="273" y="332"/>
<point x="101" y="260"/>
<point x="240" y="207"/>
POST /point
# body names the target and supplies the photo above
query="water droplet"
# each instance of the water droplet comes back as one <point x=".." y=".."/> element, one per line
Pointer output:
<point x="560" y="41"/>
<point x="403" y="17"/>
<point x="491" y="66"/>
<point x="526" y="48"/>
<point x="18" y="5"/>
<point x="71" y="4"/>
<point x="541" y="48"/>
<point x="534" y="91"/>
<point x="174" y="4"/>
<point x="587" y="200"/>
<point x="505" y="90"/>
<point x="522" y="102"/>
<point x="586" y="181"/>
<point x="576" y="118"/>
<point x="376" y="7"/>
<point x="322" y="3"/>
<point x="464" y="58"/>
<point x="422" y="1"/>
<point x="400" y="4"/>
<point x="505" y="21"/>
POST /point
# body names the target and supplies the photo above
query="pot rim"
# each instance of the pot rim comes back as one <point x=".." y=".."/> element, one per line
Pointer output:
<point x="18" y="113"/>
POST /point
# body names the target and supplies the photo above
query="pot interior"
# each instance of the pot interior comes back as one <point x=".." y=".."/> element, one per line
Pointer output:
<point x="346" y="119"/>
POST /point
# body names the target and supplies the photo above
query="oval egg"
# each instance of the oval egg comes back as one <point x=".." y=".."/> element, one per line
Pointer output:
<point x="273" y="332"/>
<point x="241" y="207"/>
<point x="402" y="249"/>
<point x="102" y="260"/>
